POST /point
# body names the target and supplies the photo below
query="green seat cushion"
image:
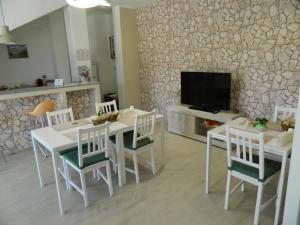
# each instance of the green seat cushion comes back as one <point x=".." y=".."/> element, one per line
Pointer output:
<point x="128" y="138"/>
<point x="72" y="157"/>
<point x="84" y="149"/>
<point x="67" y="150"/>
<point x="271" y="167"/>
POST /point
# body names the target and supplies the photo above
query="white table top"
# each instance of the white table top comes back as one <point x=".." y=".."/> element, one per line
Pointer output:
<point x="270" y="146"/>
<point x="56" y="140"/>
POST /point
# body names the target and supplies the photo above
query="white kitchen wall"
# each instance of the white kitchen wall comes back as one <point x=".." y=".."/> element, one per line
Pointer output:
<point x="100" y="28"/>
<point x="20" y="12"/>
<point x="77" y="39"/>
<point x="59" y="45"/>
<point x="47" y="49"/>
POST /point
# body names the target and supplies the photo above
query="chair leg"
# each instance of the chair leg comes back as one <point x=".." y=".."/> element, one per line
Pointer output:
<point x="2" y="155"/>
<point x="243" y="187"/>
<point x="42" y="121"/>
<point x="114" y="159"/>
<point x="66" y="173"/>
<point x="83" y="186"/>
<point x="136" y="168"/>
<point x="108" y="173"/>
<point x="258" y="202"/>
<point x="152" y="159"/>
<point x="227" y="190"/>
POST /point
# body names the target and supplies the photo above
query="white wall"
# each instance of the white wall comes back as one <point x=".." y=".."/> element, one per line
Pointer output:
<point x="59" y="45"/>
<point x="292" y="204"/>
<point x="77" y="39"/>
<point x="20" y="12"/>
<point x="100" y="28"/>
<point x="47" y="55"/>
<point x="127" y="57"/>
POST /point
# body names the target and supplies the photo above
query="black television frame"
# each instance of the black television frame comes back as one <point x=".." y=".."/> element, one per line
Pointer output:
<point x="206" y="77"/>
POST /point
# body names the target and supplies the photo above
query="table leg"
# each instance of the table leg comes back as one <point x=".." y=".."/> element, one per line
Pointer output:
<point x="162" y="141"/>
<point x="280" y="188"/>
<point x="120" y="158"/>
<point x="37" y="160"/>
<point x="208" y="160"/>
<point x="54" y="161"/>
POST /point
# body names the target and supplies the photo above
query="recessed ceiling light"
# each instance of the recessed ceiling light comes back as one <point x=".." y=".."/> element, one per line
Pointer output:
<point x="88" y="3"/>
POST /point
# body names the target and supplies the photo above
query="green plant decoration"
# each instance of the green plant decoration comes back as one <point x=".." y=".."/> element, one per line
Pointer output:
<point x="260" y="123"/>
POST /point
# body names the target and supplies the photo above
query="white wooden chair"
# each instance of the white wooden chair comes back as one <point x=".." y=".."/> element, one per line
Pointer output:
<point x="57" y="118"/>
<point x="283" y="112"/>
<point x="140" y="139"/>
<point x="107" y="107"/>
<point x="248" y="166"/>
<point x="60" y="117"/>
<point x="91" y="154"/>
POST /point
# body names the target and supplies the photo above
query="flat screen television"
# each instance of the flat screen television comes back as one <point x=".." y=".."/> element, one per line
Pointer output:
<point x="206" y="91"/>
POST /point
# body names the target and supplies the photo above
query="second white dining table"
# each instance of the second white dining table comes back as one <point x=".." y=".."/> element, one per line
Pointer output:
<point x="271" y="148"/>
<point x="55" y="139"/>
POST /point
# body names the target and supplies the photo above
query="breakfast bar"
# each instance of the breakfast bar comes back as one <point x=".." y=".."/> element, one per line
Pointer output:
<point x="15" y="105"/>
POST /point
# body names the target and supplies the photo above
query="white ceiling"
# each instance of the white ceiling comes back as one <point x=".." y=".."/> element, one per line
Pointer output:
<point x="131" y="3"/>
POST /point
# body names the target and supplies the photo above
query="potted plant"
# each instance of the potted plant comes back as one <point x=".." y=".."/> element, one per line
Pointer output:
<point x="260" y="123"/>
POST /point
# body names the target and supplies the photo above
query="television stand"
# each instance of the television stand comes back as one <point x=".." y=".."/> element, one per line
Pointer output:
<point x="194" y="124"/>
<point x="199" y="108"/>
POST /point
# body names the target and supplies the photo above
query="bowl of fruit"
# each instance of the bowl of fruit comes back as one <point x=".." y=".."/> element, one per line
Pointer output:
<point x="287" y="123"/>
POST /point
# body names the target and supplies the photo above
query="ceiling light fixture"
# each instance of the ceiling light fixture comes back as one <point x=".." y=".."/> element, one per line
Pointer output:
<point x="5" y="36"/>
<point x="84" y="4"/>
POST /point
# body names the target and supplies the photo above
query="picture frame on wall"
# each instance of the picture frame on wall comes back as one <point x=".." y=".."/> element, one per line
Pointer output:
<point x="17" y="51"/>
<point x="112" y="47"/>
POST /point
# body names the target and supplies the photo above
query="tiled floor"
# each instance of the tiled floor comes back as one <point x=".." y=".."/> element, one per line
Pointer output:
<point x="174" y="196"/>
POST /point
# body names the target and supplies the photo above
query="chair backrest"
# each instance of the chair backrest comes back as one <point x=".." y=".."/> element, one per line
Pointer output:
<point x="107" y="107"/>
<point x="41" y="109"/>
<point x="143" y="127"/>
<point x="247" y="144"/>
<point x="60" y="117"/>
<point x="95" y="139"/>
<point x="283" y="112"/>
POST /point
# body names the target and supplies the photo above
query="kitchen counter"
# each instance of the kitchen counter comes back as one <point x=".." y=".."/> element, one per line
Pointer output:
<point x="35" y="91"/>
<point x="15" y="105"/>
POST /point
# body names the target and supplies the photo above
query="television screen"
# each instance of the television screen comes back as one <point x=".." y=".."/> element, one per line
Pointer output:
<point x="206" y="91"/>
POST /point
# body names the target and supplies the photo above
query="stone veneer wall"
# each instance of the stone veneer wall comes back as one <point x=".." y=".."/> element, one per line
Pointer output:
<point x="80" y="103"/>
<point x="257" y="41"/>
<point x="16" y="123"/>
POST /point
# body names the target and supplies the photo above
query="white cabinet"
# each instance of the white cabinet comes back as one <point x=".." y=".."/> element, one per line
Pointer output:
<point x="180" y="123"/>
<point x="195" y="124"/>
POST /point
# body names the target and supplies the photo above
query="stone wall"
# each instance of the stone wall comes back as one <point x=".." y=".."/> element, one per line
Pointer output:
<point x="257" y="41"/>
<point x="80" y="103"/>
<point x="16" y="123"/>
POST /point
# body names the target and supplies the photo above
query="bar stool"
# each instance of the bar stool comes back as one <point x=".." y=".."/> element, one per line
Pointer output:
<point x="39" y="113"/>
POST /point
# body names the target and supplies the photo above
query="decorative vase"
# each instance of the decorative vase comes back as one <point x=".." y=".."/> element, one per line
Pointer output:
<point x="261" y="127"/>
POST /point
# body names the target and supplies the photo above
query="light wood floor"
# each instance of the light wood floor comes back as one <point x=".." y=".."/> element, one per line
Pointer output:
<point x="174" y="196"/>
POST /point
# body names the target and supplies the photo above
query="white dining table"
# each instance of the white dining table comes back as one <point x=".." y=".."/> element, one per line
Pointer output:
<point x="55" y="139"/>
<point x="271" y="148"/>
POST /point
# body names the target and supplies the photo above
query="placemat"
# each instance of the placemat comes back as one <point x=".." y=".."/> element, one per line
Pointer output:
<point x="73" y="124"/>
